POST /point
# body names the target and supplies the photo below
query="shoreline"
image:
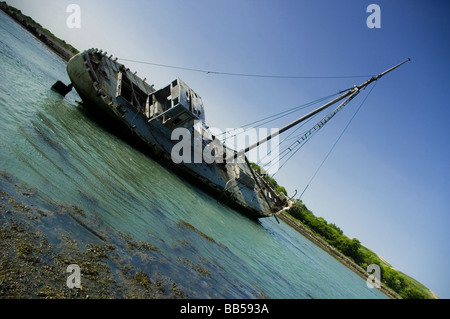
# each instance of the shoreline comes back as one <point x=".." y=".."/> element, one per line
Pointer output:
<point x="350" y="264"/>
<point x="56" y="45"/>
<point x="53" y="45"/>
<point x="40" y="239"/>
<point x="43" y="35"/>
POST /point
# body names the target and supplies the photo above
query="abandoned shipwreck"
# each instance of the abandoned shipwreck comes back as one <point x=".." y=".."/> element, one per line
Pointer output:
<point x="106" y="87"/>
<point x="113" y="92"/>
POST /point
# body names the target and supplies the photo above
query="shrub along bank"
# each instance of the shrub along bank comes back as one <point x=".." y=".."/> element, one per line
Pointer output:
<point x="403" y="285"/>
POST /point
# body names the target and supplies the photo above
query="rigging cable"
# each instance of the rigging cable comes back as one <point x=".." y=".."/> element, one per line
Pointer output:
<point x="292" y="110"/>
<point x="284" y="151"/>
<point x="310" y="133"/>
<point x="246" y="74"/>
<point x="279" y="115"/>
<point x="335" y="143"/>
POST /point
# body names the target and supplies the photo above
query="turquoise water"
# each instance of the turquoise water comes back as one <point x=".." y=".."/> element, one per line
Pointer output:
<point x="52" y="145"/>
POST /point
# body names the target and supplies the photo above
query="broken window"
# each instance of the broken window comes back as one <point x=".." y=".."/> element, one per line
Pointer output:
<point x="132" y="93"/>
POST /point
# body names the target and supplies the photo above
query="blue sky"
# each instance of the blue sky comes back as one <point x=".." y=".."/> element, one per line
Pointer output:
<point x="387" y="180"/>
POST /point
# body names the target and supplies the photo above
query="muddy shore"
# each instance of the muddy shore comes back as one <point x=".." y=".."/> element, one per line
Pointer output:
<point x="39" y="240"/>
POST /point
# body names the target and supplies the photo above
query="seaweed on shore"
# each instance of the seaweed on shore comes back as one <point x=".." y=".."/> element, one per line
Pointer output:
<point x="38" y="241"/>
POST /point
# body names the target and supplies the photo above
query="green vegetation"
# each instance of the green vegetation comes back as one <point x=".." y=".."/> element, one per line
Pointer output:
<point x="405" y="286"/>
<point x="43" y="34"/>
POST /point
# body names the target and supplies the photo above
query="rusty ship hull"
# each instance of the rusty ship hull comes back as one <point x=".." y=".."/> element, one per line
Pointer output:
<point x="149" y="117"/>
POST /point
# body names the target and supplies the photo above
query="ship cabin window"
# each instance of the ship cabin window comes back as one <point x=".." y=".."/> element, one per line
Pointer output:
<point x="178" y="116"/>
<point x="175" y="106"/>
<point x="159" y="102"/>
<point x="180" y="119"/>
<point x="132" y="93"/>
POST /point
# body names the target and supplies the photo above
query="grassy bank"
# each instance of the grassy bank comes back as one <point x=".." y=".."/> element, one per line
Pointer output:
<point x="59" y="46"/>
<point x="350" y="252"/>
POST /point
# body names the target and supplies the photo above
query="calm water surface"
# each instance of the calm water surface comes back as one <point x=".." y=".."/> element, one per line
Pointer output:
<point x="50" y="144"/>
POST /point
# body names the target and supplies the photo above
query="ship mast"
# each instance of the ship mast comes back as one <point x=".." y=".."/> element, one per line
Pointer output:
<point x="307" y="116"/>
